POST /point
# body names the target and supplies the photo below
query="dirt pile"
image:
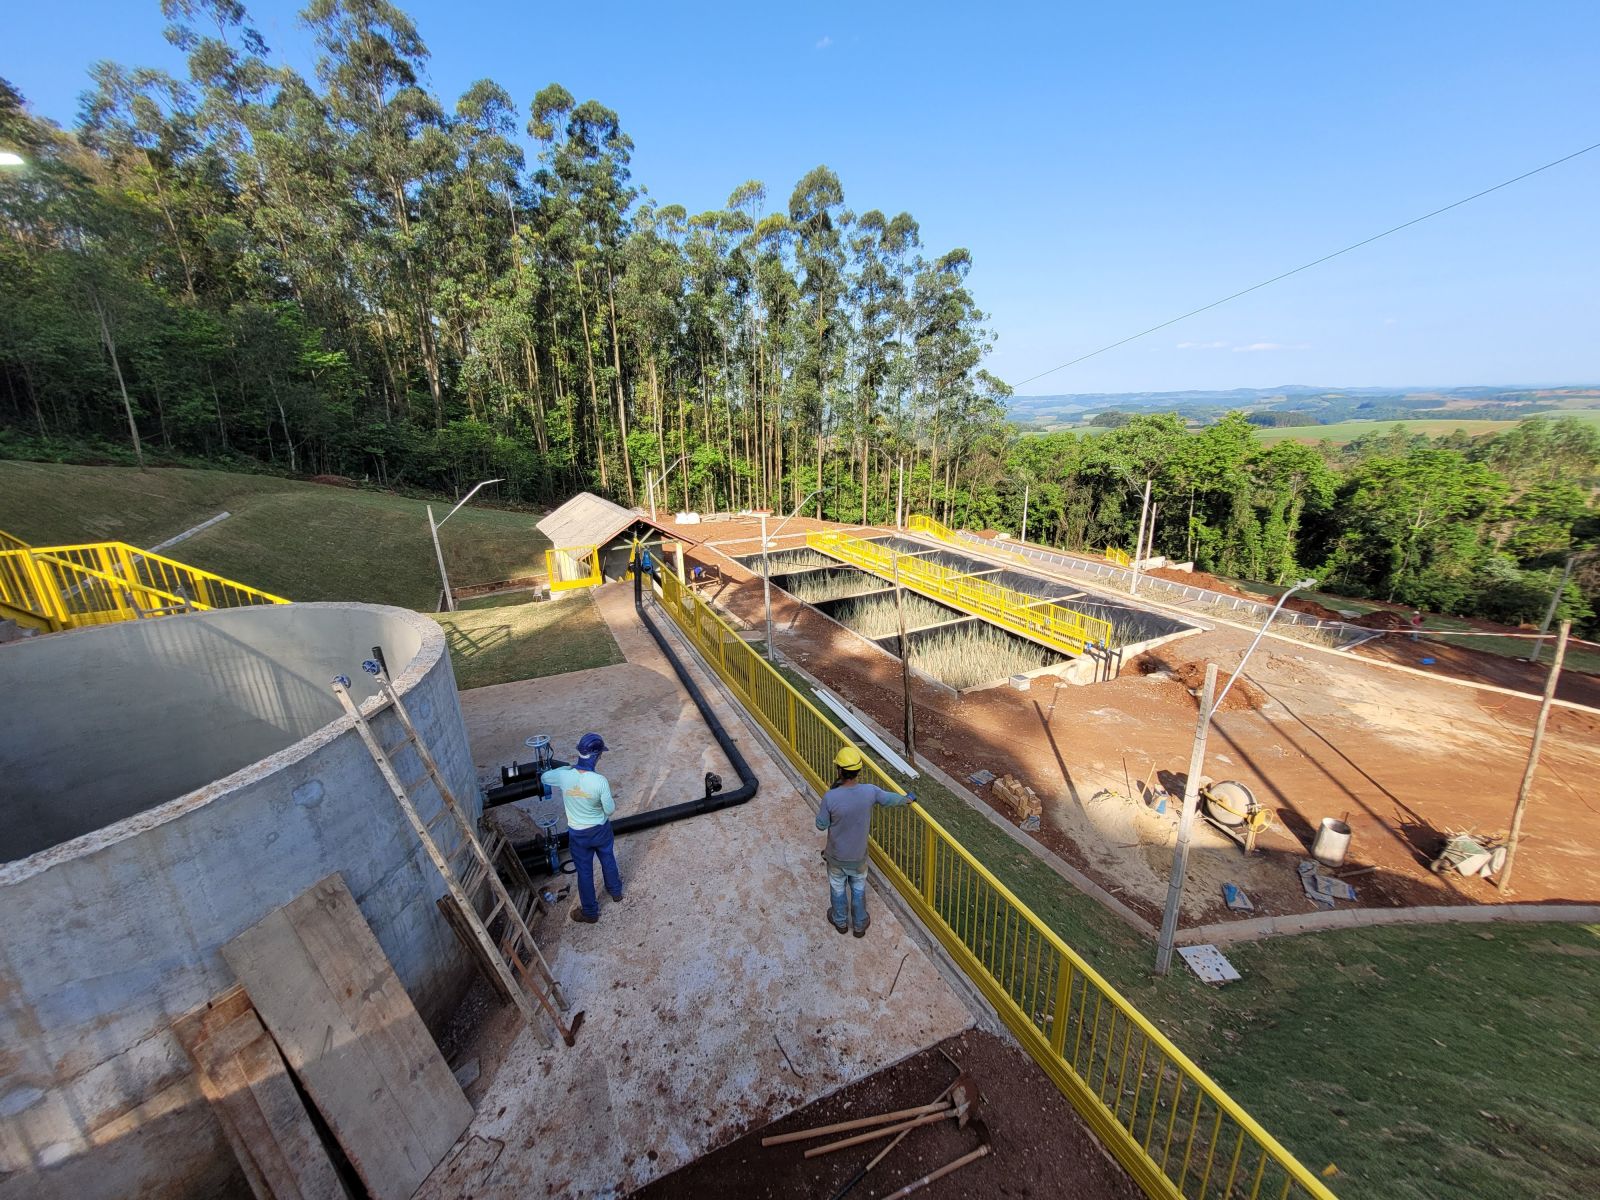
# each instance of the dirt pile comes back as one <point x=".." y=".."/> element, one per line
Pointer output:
<point x="1312" y="609"/>
<point x="1383" y="618"/>
<point x="1242" y="697"/>
<point x="1201" y="579"/>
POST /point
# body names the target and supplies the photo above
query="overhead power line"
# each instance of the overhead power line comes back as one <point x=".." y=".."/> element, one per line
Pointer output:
<point x="1254" y="287"/>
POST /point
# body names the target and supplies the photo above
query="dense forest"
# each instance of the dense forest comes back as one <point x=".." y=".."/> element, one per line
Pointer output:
<point x="343" y="275"/>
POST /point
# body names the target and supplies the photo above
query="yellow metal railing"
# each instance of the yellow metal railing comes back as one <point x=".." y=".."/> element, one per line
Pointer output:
<point x="98" y="583"/>
<point x="1120" y="558"/>
<point x="927" y="525"/>
<point x="1056" y="625"/>
<point x="572" y="567"/>
<point x="1178" y="1134"/>
<point x="10" y="541"/>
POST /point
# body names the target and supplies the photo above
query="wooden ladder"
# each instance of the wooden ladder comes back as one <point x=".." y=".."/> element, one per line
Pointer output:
<point x="516" y="954"/>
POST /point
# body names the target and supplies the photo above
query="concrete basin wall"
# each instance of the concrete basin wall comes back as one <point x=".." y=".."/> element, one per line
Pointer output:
<point x="113" y="934"/>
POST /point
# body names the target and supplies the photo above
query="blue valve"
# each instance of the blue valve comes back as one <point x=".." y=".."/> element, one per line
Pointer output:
<point x="371" y="667"/>
<point x="342" y="680"/>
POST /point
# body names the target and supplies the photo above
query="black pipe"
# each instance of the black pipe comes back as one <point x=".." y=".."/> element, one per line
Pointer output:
<point x="713" y="800"/>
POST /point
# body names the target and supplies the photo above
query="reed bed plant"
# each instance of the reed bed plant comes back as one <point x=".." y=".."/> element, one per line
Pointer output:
<point x="803" y="559"/>
<point x="975" y="654"/>
<point x="820" y="587"/>
<point x="875" y="616"/>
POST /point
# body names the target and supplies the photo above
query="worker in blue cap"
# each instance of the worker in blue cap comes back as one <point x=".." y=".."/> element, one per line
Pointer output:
<point x="587" y="796"/>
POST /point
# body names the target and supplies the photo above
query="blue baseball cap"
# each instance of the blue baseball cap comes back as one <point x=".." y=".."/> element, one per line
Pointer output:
<point x="591" y="743"/>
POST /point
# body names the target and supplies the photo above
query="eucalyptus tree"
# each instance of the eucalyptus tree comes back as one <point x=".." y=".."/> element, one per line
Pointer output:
<point x="819" y="223"/>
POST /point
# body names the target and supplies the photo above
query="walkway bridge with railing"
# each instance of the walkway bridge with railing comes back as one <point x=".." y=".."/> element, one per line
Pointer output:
<point x="51" y="588"/>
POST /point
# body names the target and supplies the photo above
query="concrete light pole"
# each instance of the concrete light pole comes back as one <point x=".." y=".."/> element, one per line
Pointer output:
<point x="766" y="565"/>
<point x="438" y="554"/>
<point x="650" y="482"/>
<point x="1191" y="785"/>
<point x="1138" y="542"/>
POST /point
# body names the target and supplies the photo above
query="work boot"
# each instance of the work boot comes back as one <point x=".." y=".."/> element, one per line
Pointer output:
<point x="865" y="925"/>
<point x="841" y="928"/>
<point x="579" y="915"/>
<point x="615" y="899"/>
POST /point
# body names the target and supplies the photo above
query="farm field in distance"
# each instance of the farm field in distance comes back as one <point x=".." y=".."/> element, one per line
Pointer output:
<point x="1347" y="431"/>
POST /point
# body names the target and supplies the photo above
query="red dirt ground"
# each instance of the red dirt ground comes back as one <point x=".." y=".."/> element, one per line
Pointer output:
<point x="1403" y="759"/>
<point x="1040" y="1146"/>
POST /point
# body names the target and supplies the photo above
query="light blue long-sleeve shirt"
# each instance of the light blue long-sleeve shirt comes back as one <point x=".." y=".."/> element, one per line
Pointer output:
<point x="846" y="813"/>
<point x="586" y="794"/>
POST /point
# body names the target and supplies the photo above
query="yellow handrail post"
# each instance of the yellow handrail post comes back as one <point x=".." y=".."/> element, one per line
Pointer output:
<point x="929" y="864"/>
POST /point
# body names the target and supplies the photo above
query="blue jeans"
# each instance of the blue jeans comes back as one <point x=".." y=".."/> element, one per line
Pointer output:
<point x="584" y="843"/>
<point x="838" y="878"/>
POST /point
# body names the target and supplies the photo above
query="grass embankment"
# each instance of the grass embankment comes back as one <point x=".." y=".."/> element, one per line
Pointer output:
<point x="1423" y="1062"/>
<point x="1579" y="658"/>
<point x="305" y="541"/>
<point x="501" y="643"/>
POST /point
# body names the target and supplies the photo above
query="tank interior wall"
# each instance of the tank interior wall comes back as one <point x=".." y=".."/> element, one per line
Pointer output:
<point x="121" y="718"/>
<point x="113" y="936"/>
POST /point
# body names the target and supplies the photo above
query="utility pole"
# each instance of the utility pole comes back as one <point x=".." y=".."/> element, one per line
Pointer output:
<point x="1025" y="490"/>
<point x="766" y="582"/>
<point x="1138" y="544"/>
<point x="905" y="666"/>
<point x="1504" y="882"/>
<point x="900" y="497"/>
<point x="1191" y="801"/>
<point x="1555" y="601"/>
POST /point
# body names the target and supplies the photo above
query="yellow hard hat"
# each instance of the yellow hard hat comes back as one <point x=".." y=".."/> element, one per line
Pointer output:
<point x="848" y="759"/>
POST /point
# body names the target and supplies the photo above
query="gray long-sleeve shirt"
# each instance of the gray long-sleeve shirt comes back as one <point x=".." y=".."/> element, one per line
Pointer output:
<point x="846" y="814"/>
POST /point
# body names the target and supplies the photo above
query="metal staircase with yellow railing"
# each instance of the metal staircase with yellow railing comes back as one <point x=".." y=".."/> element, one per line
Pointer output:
<point x="51" y="588"/>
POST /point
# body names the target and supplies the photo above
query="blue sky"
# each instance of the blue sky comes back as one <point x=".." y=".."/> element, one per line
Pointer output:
<point x="1109" y="166"/>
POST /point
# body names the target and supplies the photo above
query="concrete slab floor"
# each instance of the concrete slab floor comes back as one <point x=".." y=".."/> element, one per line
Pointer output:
<point x="717" y="996"/>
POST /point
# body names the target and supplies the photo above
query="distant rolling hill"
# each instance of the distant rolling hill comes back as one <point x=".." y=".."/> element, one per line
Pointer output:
<point x="1299" y="405"/>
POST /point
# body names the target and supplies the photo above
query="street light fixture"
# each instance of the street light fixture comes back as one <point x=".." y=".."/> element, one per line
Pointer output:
<point x="766" y="564"/>
<point x="1191" y="786"/>
<point x="10" y="158"/>
<point x="434" y="527"/>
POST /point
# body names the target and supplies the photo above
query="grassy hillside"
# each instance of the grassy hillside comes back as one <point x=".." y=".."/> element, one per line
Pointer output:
<point x="305" y="541"/>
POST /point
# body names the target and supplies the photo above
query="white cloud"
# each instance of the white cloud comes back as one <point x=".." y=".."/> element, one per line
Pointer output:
<point x="1257" y="346"/>
<point x="1202" y="345"/>
<point x="824" y="42"/>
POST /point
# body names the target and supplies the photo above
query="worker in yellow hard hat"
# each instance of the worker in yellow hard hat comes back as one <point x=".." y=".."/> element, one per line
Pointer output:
<point x="846" y="814"/>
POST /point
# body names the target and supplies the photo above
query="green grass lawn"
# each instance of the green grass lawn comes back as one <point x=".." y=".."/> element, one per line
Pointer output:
<point x="305" y="541"/>
<point x="1423" y="1062"/>
<point x="504" y="643"/>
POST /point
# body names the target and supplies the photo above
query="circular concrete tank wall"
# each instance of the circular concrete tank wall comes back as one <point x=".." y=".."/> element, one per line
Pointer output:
<point x="164" y="785"/>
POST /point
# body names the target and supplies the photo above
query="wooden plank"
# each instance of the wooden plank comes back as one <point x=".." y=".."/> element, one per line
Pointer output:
<point x="242" y="1075"/>
<point x="325" y="990"/>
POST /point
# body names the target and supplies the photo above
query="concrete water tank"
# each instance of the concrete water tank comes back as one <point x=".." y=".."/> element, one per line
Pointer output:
<point x="163" y="785"/>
